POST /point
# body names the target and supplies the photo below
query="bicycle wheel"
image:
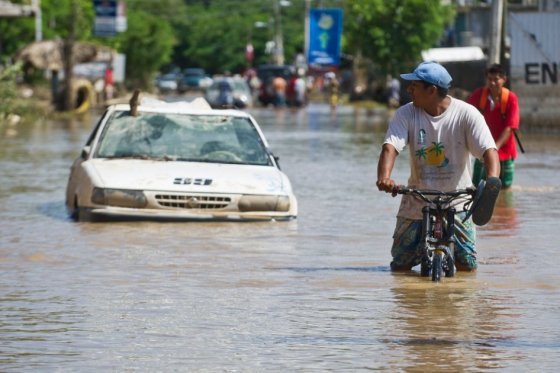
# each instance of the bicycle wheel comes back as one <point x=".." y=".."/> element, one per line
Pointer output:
<point x="437" y="267"/>
<point x="425" y="266"/>
<point x="449" y="266"/>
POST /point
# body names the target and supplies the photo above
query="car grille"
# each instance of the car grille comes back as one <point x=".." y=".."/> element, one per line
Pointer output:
<point x="186" y="201"/>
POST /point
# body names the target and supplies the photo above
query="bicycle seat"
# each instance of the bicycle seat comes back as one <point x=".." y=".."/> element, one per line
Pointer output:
<point x="484" y="200"/>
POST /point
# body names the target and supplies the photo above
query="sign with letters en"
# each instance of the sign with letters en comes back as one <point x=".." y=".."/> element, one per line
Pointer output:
<point x="110" y="17"/>
<point x="325" y="32"/>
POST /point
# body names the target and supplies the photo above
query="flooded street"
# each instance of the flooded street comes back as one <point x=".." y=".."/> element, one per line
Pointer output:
<point x="313" y="294"/>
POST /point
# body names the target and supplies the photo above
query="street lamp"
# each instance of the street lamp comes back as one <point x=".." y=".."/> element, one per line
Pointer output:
<point x="278" y="36"/>
<point x="260" y="24"/>
<point x="249" y="49"/>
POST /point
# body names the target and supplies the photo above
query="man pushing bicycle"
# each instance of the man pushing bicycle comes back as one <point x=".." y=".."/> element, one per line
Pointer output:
<point x="442" y="133"/>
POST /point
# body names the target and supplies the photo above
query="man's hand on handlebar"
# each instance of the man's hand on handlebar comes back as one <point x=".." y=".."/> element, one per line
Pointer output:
<point x="386" y="185"/>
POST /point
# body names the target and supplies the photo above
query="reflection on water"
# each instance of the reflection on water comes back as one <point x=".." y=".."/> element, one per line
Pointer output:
<point x="314" y="294"/>
<point x="504" y="221"/>
<point x="36" y="325"/>
<point x="450" y="326"/>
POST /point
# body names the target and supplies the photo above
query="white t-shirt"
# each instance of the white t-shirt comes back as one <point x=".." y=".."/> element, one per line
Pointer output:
<point x="440" y="148"/>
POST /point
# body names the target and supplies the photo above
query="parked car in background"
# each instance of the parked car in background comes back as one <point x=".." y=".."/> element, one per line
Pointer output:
<point x="167" y="83"/>
<point x="266" y="74"/>
<point x="194" y="78"/>
<point x="178" y="161"/>
<point x="228" y="92"/>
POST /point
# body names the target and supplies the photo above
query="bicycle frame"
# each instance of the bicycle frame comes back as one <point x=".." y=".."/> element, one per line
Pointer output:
<point x="438" y="228"/>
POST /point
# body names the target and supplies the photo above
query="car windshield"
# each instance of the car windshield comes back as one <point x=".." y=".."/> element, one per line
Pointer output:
<point x="168" y="77"/>
<point x="182" y="137"/>
<point x="266" y="73"/>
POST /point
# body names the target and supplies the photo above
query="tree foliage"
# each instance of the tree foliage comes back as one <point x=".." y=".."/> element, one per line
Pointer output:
<point x="8" y="90"/>
<point x="150" y="37"/>
<point x="14" y="34"/>
<point x="213" y="34"/>
<point x="393" y="33"/>
<point x="147" y="44"/>
<point x="217" y="31"/>
<point x="59" y="15"/>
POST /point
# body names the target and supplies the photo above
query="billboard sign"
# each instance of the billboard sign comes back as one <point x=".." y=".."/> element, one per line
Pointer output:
<point x="110" y="17"/>
<point x="325" y="33"/>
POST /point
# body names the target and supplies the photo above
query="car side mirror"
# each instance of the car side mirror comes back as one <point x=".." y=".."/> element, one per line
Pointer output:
<point x="85" y="151"/>
<point x="276" y="159"/>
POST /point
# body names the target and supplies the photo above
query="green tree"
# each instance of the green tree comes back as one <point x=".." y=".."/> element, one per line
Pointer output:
<point x="393" y="33"/>
<point x="215" y="33"/>
<point x="147" y="44"/>
<point x="59" y="16"/>
<point x="149" y="39"/>
<point x="8" y="90"/>
<point x="14" y="34"/>
<point x="216" y="37"/>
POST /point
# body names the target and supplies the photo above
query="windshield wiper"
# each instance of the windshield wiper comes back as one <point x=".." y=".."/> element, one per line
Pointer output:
<point x="201" y="160"/>
<point x="165" y="158"/>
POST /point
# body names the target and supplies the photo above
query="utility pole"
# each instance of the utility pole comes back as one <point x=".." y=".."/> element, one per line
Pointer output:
<point x="68" y="58"/>
<point x="38" y="20"/>
<point x="306" y="27"/>
<point x="497" y="25"/>
<point x="278" y="38"/>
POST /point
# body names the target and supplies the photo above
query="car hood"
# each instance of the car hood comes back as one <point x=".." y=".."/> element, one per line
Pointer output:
<point x="186" y="176"/>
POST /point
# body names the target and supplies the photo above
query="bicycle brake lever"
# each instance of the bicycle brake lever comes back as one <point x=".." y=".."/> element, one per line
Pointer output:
<point x="396" y="190"/>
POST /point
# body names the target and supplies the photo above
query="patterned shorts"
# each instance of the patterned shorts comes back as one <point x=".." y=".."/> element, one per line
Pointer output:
<point x="507" y="170"/>
<point x="407" y="247"/>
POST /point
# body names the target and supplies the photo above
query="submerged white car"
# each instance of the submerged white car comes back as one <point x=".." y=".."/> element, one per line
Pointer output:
<point x="178" y="161"/>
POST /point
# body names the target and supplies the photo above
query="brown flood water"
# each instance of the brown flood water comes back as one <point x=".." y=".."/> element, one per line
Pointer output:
<point x="314" y="294"/>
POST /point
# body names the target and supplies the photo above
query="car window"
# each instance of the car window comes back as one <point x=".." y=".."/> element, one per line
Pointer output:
<point x="199" y="138"/>
<point x="240" y="85"/>
<point x="94" y="132"/>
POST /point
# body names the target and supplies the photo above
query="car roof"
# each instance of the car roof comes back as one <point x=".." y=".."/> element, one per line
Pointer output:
<point x="198" y="106"/>
<point x="194" y="70"/>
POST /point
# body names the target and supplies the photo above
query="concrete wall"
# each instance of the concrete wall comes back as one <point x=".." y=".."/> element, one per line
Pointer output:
<point x="535" y="67"/>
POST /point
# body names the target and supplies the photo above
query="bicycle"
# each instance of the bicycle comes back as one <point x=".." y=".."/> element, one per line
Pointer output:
<point x="438" y="222"/>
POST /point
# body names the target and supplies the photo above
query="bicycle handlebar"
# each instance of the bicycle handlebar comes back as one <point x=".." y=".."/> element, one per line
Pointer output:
<point x="423" y="193"/>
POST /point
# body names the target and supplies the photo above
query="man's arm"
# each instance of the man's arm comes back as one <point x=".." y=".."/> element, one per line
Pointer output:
<point x="511" y="122"/>
<point x="491" y="163"/>
<point x="504" y="136"/>
<point x="385" y="167"/>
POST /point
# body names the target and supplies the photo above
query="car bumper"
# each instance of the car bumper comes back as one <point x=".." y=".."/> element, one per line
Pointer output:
<point x="151" y="214"/>
<point x="191" y="206"/>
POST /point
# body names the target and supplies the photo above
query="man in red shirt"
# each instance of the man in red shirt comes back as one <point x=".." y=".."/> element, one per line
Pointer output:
<point x="500" y="109"/>
<point x="108" y="79"/>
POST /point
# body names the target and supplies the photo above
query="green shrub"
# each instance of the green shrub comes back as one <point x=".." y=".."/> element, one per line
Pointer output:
<point x="8" y="89"/>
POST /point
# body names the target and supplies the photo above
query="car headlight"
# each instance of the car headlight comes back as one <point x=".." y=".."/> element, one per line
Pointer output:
<point x="119" y="197"/>
<point x="264" y="203"/>
<point x="241" y="97"/>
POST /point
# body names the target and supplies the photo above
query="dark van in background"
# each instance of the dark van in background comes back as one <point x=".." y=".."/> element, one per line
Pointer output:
<point x="266" y="73"/>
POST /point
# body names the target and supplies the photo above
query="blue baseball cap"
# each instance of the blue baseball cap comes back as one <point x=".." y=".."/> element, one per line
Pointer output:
<point x="431" y="72"/>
